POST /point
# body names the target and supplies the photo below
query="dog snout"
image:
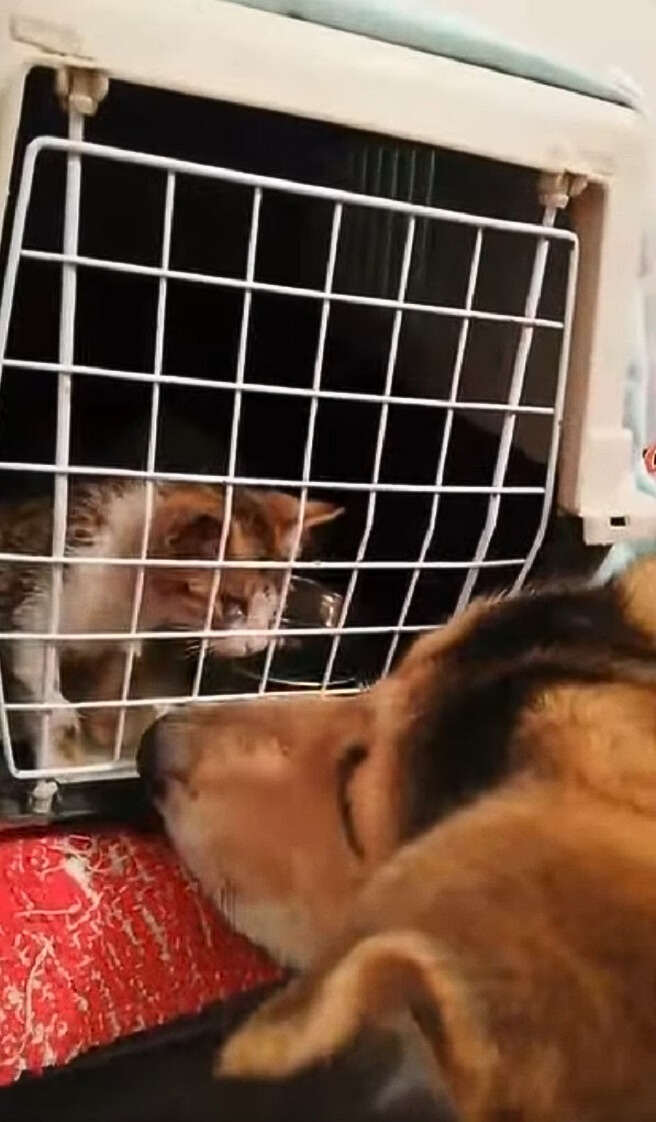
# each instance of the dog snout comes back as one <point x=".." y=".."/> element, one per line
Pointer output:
<point x="162" y="755"/>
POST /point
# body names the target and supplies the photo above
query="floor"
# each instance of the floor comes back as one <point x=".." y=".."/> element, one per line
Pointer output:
<point x="164" y="1076"/>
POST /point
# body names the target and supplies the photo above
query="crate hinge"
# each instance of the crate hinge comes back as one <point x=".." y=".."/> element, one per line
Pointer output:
<point x="81" y="89"/>
<point x="556" y="189"/>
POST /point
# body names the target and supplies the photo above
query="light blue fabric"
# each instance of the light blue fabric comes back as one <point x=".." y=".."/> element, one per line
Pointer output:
<point x="640" y="396"/>
<point x="424" y="26"/>
<point x="638" y="412"/>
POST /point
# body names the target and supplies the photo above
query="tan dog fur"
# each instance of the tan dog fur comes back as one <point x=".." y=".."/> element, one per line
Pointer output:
<point x="517" y="925"/>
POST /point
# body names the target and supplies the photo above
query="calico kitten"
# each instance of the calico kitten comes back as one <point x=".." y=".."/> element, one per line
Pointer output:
<point x="106" y="520"/>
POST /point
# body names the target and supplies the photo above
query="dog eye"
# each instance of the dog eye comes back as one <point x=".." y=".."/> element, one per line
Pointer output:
<point x="346" y="768"/>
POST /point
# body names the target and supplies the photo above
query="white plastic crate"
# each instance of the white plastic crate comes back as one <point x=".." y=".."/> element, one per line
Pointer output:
<point x="375" y="248"/>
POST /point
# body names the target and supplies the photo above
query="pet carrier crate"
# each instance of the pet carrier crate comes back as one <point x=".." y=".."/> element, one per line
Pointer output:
<point x="257" y="251"/>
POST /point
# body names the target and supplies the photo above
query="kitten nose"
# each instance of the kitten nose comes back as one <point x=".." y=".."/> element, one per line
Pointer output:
<point x="161" y="756"/>
<point x="232" y="612"/>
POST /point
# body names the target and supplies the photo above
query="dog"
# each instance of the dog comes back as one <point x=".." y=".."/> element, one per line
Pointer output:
<point x="470" y="846"/>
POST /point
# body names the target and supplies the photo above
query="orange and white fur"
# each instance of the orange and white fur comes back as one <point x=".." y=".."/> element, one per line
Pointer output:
<point x="467" y="852"/>
<point x="106" y="520"/>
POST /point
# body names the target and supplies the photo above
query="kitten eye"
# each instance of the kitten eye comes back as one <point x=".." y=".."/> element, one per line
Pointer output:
<point x="347" y="766"/>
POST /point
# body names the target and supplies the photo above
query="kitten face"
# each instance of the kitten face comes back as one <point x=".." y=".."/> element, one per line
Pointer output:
<point x="106" y="520"/>
<point x="188" y="524"/>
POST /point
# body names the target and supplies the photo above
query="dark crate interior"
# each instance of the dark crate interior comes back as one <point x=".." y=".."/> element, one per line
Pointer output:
<point x="115" y="326"/>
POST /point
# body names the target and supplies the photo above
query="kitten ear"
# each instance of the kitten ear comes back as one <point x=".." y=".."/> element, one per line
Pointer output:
<point x="283" y="511"/>
<point x="182" y="531"/>
<point x="318" y="512"/>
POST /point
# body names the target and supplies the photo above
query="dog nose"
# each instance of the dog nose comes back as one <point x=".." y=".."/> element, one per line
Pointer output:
<point x="147" y="753"/>
<point x="160" y="756"/>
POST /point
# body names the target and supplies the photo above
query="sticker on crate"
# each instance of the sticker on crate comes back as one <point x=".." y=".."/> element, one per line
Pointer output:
<point x="649" y="458"/>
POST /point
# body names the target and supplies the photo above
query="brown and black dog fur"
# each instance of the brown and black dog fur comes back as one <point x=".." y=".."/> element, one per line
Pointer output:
<point x="470" y="844"/>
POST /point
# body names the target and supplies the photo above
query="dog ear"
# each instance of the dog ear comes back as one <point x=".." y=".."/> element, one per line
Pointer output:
<point x="186" y="530"/>
<point x="382" y="976"/>
<point x="283" y="511"/>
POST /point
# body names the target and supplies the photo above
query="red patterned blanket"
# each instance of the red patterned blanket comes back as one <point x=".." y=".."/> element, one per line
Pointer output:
<point x="103" y="934"/>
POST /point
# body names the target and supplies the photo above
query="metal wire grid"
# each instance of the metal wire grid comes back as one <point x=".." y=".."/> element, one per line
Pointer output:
<point x="75" y="151"/>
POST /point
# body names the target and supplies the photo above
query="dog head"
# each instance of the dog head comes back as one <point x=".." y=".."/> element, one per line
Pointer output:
<point x="515" y="932"/>
<point x="294" y="803"/>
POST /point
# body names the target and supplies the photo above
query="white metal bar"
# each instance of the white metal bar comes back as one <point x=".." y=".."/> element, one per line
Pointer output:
<point x="514" y="394"/>
<point x="552" y="460"/>
<point x="287" y="186"/>
<point x="5" y="729"/>
<point x="165" y="700"/>
<point x="70" y="240"/>
<point x="445" y="311"/>
<point x="397" y="323"/>
<point x="375" y="206"/>
<point x="251" y="258"/>
<point x="151" y="456"/>
<point x="446" y="437"/>
<point x="210" y="633"/>
<point x="14" y="256"/>
<point x="6" y="307"/>
<point x="309" y="436"/>
<point x="324" y="566"/>
<point x="78" y="772"/>
<point x="140" y="703"/>
<point x="122" y="769"/>
<point x="260" y="481"/>
<point x="282" y="390"/>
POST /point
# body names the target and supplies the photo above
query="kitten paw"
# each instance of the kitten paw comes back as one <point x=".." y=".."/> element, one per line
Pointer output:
<point x="100" y="728"/>
<point x="65" y="744"/>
